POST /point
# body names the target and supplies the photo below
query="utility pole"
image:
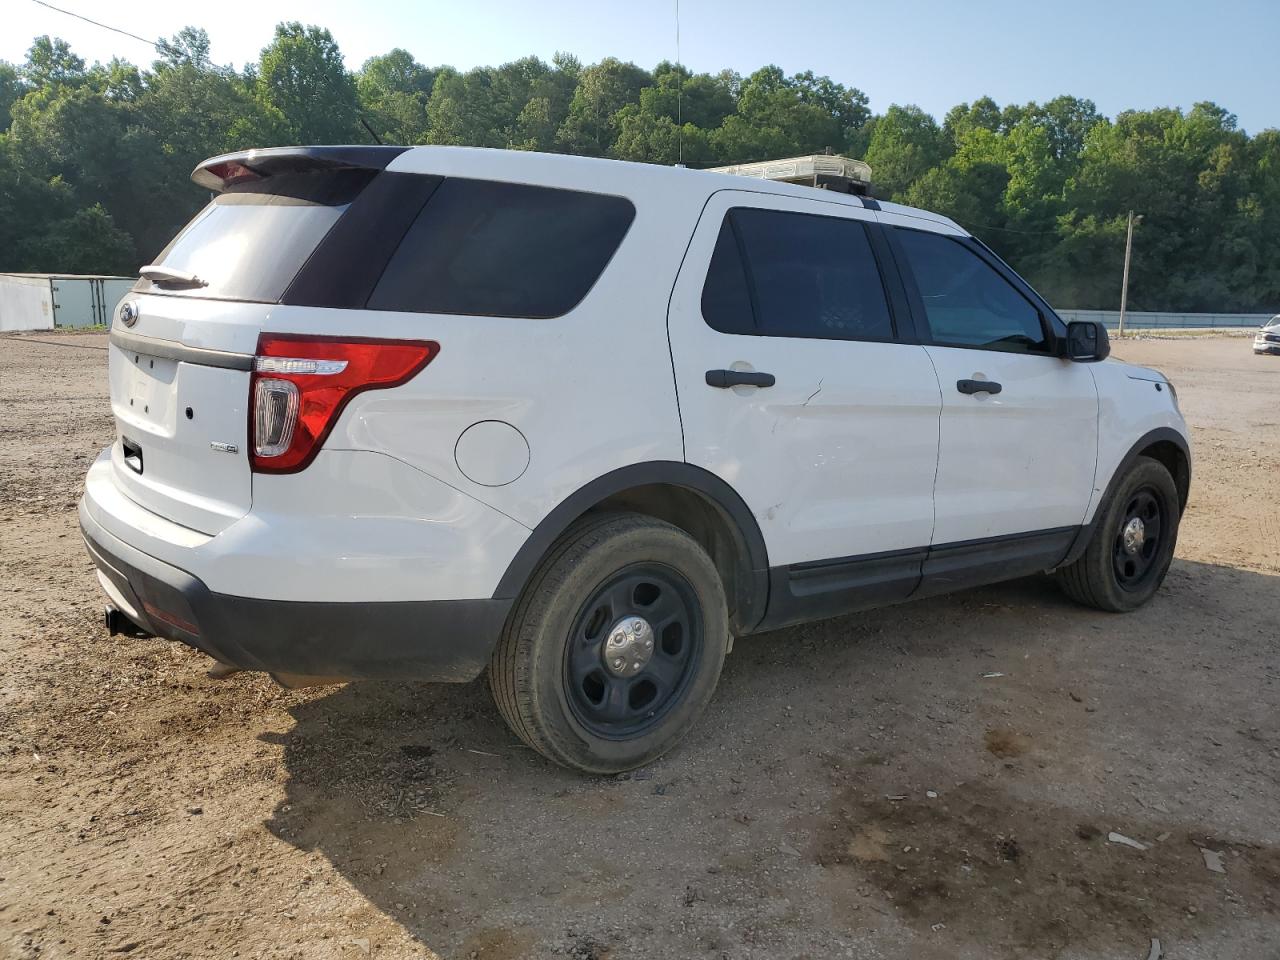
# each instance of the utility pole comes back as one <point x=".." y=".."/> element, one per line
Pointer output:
<point x="1124" y="284"/>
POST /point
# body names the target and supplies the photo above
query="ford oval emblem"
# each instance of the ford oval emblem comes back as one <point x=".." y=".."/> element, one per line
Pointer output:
<point x="129" y="313"/>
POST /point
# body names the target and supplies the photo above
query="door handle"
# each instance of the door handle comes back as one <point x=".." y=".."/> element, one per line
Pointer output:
<point x="978" y="386"/>
<point x="739" y="378"/>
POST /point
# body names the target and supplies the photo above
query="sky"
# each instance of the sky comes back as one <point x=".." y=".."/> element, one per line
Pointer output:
<point x="1122" y="54"/>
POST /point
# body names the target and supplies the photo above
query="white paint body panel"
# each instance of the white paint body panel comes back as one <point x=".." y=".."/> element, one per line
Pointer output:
<point x="1016" y="461"/>
<point x="353" y="526"/>
<point x="1129" y="406"/>
<point x="837" y="458"/>
<point x="184" y="478"/>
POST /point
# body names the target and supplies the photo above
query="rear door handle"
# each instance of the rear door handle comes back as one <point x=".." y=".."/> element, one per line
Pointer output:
<point x="978" y="386"/>
<point x="739" y="378"/>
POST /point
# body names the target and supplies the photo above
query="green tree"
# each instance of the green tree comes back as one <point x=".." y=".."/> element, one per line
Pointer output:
<point x="603" y="90"/>
<point x="905" y="143"/>
<point x="301" y="76"/>
<point x="393" y="90"/>
<point x="11" y="89"/>
<point x="50" y="62"/>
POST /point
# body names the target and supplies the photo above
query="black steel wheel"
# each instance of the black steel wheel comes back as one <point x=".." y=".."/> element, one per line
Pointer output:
<point x="1137" y="539"/>
<point x="631" y="649"/>
<point x="615" y="646"/>
<point x="1134" y="535"/>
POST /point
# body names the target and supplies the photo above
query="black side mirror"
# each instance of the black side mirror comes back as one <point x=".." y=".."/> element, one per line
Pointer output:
<point x="1087" y="341"/>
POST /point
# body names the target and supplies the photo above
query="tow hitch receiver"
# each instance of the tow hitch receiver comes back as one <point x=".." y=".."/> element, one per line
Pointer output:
<point x="117" y="623"/>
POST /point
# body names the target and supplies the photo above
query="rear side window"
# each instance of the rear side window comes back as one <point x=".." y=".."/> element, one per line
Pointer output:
<point x="485" y="248"/>
<point x="802" y="275"/>
<point x="966" y="302"/>
<point x="726" y="302"/>
<point x="250" y="241"/>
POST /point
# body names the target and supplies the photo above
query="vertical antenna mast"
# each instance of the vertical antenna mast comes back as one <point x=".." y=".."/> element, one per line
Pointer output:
<point x="679" y="95"/>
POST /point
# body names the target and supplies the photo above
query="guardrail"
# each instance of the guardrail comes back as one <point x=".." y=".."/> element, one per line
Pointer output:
<point x="1134" y="320"/>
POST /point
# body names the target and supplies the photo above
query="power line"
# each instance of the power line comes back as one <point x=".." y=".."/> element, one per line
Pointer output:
<point x="156" y="45"/>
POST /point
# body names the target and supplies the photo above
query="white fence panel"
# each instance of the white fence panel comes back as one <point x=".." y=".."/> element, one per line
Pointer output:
<point x="26" y="303"/>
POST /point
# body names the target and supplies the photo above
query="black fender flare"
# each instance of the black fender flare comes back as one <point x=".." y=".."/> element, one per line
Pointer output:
<point x="1158" y="435"/>
<point x="719" y="494"/>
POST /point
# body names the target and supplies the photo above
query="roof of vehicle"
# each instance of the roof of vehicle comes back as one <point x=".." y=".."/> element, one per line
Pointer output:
<point x="586" y="173"/>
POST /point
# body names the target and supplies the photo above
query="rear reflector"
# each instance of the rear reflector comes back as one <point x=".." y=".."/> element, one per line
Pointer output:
<point x="171" y="619"/>
<point x="301" y="384"/>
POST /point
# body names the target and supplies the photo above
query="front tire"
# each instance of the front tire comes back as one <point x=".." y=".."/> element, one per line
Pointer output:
<point x="1132" y="545"/>
<point x="615" y="647"/>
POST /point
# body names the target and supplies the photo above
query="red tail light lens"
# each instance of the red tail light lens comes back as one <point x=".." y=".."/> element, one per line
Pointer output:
<point x="230" y="172"/>
<point x="301" y="384"/>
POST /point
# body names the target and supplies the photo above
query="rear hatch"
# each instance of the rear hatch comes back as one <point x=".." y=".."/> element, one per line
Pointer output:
<point x="183" y="341"/>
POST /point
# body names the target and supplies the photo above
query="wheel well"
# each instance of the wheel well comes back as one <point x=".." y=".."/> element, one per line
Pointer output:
<point x="1175" y="461"/>
<point x="712" y="527"/>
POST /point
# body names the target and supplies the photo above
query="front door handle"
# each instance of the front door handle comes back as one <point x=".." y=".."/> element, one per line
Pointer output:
<point x="978" y="386"/>
<point x="739" y="378"/>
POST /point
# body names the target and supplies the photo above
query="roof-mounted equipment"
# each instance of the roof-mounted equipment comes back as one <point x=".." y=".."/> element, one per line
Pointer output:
<point x="824" y="171"/>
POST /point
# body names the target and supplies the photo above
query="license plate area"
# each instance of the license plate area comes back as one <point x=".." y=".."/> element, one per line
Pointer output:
<point x="151" y="389"/>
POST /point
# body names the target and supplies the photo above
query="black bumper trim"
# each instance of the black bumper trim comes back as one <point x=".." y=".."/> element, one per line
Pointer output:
<point x="432" y="640"/>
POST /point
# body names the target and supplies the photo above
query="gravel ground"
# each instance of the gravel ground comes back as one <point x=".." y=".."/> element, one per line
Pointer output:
<point x="935" y="780"/>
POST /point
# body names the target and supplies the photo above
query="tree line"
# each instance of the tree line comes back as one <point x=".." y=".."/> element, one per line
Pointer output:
<point x="95" y="160"/>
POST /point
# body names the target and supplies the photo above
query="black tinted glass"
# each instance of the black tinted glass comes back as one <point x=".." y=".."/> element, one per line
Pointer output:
<point x="502" y="249"/>
<point x="813" y="276"/>
<point x="249" y="243"/>
<point x="967" y="303"/>
<point x="726" y="303"/>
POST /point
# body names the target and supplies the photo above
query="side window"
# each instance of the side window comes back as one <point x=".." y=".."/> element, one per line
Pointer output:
<point x="803" y="276"/>
<point x="966" y="302"/>
<point x="485" y="248"/>
<point x="726" y="302"/>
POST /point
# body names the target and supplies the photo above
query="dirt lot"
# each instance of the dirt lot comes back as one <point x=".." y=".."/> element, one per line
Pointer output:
<point x="935" y="780"/>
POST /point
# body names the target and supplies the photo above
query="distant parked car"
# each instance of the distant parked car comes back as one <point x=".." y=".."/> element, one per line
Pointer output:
<point x="1268" y="338"/>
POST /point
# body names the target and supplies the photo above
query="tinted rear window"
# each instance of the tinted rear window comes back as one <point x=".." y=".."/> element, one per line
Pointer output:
<point x="250" y="242"/>
<point x="726" y="300"/>
<point x="805" y="276"/>
<point x="485" y="248"/>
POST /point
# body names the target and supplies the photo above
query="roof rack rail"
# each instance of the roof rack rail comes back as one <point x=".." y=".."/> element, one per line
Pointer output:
<point x="824" y="171"/>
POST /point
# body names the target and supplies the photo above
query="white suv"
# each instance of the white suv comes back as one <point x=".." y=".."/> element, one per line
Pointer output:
<point x="419" y="413"/>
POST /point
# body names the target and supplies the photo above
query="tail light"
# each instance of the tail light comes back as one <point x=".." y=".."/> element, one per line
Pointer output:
<point x="300" y="385"/>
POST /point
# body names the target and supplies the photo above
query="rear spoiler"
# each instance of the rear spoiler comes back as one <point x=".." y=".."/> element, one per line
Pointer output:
<point x="218" y="173"/>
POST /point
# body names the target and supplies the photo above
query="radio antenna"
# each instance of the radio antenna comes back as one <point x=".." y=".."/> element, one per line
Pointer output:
<point x="679" y="95"/>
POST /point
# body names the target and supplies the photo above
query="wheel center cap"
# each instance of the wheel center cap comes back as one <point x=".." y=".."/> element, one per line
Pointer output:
<point x="1134" y="535"/>
<point x="628" y="648"/>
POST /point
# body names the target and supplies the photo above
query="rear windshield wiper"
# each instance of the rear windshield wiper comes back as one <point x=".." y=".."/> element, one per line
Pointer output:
<point x="170" y="277"/>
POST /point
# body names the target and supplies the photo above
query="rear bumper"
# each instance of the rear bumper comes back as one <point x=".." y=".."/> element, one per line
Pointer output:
<point x="434" y="640"/>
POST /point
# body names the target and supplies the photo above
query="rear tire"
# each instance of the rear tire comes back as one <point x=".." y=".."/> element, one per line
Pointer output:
<point x="615" y="646"/>
<point x="1132" y="545"/>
